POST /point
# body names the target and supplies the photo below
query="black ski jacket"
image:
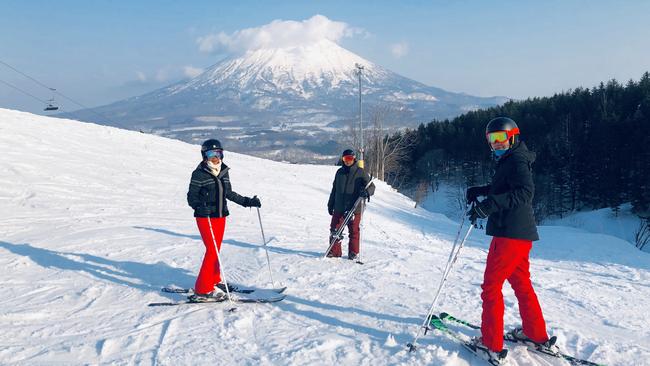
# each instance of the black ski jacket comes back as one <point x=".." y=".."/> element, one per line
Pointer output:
<point x="348" y="184"/>
<point x="207" y="194"/>
<point x="510" y="196"/>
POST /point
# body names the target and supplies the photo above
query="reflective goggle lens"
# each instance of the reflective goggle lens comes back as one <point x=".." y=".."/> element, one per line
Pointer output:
<point x="498" y="136"/>
<point x="348" y="158"/>
<point x="214" y="154"/>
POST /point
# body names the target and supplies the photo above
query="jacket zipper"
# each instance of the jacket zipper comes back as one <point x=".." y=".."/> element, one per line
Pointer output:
<point x="220" y="198"/>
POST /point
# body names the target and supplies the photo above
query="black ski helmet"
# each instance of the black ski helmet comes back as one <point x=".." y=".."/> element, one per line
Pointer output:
<point x="348" y="152"/>
<point x="504" y="124"/>
<point x="211" y="144"/>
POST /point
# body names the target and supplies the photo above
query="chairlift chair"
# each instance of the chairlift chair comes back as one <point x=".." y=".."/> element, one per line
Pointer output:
<point x="51" y="105"/>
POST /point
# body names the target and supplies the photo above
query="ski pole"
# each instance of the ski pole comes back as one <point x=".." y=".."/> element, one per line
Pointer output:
<point x="361" y="227"/>
<point x="221" y="269"/>
<point x="450" y="263"/>
<point x="363" y="214"/>
<point x="268" y="261"/>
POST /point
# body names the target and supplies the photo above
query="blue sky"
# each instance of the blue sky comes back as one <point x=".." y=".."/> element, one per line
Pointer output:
<point x="98" y="52"/>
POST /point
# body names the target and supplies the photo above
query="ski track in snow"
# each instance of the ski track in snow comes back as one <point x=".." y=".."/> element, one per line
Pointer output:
<point x="95" y="222"/>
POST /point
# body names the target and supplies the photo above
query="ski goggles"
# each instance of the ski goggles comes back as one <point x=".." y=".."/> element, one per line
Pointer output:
<point x="501" y="136"/>
<point x="211" y="154"/>
<point x="348" y="158"/>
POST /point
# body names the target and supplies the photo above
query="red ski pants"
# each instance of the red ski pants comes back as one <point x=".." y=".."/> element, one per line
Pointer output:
<point x="210" y="275"/>
<point x="508" y="260"/>
<point x="353" y="233"/>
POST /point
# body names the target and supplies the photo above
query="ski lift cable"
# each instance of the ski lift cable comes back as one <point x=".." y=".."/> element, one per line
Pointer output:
<point x="53" y="90"/>
<point x="25" y="75"/>
<point x="24" y="92"/>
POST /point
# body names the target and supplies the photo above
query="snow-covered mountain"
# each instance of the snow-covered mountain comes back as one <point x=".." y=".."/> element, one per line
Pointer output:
<point x="269" y="99"/>
<point x="94" y="221"/>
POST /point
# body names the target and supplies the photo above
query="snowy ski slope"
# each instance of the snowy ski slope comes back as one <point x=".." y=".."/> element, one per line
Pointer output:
<point x="94" y="221"/>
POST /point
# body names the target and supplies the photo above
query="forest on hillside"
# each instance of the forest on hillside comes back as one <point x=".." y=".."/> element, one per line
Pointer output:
<point x="592" y="146"/>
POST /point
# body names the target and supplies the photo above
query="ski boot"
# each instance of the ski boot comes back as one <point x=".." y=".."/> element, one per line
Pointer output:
<point x="215" y="296"/>
<point x="478" y="348"/>
<point x="548" y="347"/>
<point x="335" y="250"/>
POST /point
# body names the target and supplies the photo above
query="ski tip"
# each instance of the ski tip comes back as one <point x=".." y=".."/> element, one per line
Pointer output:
<point x="163" y="304"/>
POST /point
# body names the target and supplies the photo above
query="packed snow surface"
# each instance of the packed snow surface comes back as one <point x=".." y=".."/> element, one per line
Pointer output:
<point x="94" y="222"/>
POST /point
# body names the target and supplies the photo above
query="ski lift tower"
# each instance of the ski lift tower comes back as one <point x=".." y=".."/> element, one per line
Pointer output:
<point x="359" y="71"/>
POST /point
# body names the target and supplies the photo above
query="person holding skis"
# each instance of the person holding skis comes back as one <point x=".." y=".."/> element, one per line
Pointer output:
<point x="209" y="189"/>
<point x="350" y="183"/>
<point x="508" y="208"/>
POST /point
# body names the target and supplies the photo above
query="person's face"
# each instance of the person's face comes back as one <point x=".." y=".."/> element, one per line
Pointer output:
<point x="348" y="160"/>
<point x="214" y="156"/>
<point x="498" y="140"/>
<point x="500" y="145"/>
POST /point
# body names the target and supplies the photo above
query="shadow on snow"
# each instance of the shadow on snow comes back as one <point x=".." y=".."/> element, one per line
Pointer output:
<point x="271" y="248"/>
<point x="142" y="276"/>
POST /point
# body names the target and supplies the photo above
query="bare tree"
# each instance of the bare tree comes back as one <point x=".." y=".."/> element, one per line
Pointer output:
<point x="642" y="234"/>
<point x="421" y="191"/>
<point x="352" y="137"/>
<point x="386" y="153"/>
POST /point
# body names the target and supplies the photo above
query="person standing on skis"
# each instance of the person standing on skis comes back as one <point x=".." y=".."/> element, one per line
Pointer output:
<point x="508" y="208"/>
<point x="349" y="184"/>
<point x="209" y="188"/>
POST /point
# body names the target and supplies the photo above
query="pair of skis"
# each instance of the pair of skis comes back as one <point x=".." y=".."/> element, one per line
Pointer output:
<point x="244" y="295"/>
<point x="438" y="322"/>
<point x="241" y="294"/>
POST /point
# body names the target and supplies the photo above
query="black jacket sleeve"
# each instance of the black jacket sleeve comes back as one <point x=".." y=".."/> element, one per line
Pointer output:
<point x="366" y="180"/>
<point x="330" y="202"/>
<point x="193" y="191"/>
<point x="232" y="195"/>
<point x="520" y="182"/>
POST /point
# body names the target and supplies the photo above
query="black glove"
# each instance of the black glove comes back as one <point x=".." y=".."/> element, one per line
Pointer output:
<point x="364" y="193"/>
<point x="480" y="210"/>
<point x="330" y="210"/>
<point x="202" y="211"/>
<point x="254" y="202"/>
<point x="472" y="194"/>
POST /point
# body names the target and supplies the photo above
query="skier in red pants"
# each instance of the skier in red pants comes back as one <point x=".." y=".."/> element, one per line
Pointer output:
<point x="207" y="194"/>
<point x="349" y="184"/>
<point x="508" y="208"/>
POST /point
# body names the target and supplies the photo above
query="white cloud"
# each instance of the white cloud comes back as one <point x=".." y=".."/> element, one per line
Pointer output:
<point x="278" y="34"/>
<point x="141" y="76"/>
<point x="191" y="71"/>
<point x="162" y="74"/>
<point x="399" y="50"/>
